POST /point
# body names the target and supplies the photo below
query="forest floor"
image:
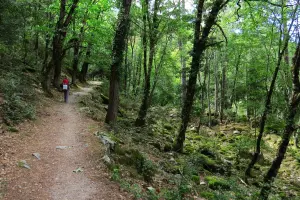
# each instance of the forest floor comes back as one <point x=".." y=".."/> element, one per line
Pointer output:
<point x="70" y="165"/>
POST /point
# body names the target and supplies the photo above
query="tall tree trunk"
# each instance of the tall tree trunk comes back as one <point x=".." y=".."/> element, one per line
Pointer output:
<point x="126" y="67"/>
<point x="57" y="46"/>
<point x="75" y="60"/>
<point x="198" y="49"/>
<point x="153" y="27"/>
<point x="268" y="101"/>
<point x="216" y="74"/>
<point x="59" y="37"/>
<point x="208" y="99"/>
<point x="118" y="50"/>
<point x="223" y="90"/>
<point x="85" y="65"/>
<point x="289" y="127"/>
<point x="183" y="70"/>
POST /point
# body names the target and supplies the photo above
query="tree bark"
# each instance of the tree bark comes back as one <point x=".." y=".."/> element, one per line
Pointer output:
<point x="118" y="51"/>
<point x="198" y="49"/>
<point x="288" y="130"/>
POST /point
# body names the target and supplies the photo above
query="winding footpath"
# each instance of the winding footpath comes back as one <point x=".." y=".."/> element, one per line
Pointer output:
<point x="70" y="167"/>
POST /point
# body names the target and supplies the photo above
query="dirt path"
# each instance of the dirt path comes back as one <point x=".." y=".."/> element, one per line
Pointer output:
<point x="53" y="176"/>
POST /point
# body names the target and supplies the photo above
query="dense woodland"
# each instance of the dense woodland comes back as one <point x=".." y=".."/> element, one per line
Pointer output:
<point x="207" y="91"/>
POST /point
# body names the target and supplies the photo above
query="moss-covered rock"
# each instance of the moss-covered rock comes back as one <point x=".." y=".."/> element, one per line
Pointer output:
<point x="167" y="147"/>
<point x="215" y="182"/>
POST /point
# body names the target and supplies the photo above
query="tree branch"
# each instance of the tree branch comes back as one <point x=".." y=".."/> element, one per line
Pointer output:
<point x="223" y="33"/>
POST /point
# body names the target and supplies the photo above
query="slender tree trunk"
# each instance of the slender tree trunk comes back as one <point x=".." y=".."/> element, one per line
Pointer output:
<point x="198" y="49"/>
<point x="268" y="103"/>
<point x="118" y="50"/>
<point x="183" y="70"/>
<point x="223" y="90"/>
<point x="289" y="128"/>
<point x="216" y="74"/>
<point x="208" y="100"/>
<point x="153" y="27"/>
<point x="203" y="93"/>
<point x="126" y="68"/>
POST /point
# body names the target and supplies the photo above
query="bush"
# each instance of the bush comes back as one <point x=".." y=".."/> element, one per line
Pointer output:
<point x="19" y="98"/>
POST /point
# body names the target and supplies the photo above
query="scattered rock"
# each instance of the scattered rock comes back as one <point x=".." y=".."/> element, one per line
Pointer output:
<point x="151" y="189"/>
<point x="62" y="147"/>
<point x="109" y="143"/>
<point x="78" y="170"/>
<point x="106" y="159"/>
<point x="23" y="163"/>
<point x="37" y="155"/>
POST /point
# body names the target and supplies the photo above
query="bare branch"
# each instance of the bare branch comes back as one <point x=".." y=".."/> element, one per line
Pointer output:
<point x="223" y="33"/>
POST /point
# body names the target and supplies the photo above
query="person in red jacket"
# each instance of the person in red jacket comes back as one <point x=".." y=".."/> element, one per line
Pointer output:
<point x="66" y="88"/>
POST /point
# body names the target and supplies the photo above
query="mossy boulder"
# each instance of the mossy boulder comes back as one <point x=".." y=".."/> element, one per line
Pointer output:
<point x="143" y="165"/>
<point x="167" y="147"/>
<point x="215" y="182"/>
<point x="201" y="162"/>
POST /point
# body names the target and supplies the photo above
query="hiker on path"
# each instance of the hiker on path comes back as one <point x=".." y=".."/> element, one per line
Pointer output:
<point x="66" y="88"/>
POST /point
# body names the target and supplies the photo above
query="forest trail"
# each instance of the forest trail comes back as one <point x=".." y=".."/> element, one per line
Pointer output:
<point x="70" y="167"/>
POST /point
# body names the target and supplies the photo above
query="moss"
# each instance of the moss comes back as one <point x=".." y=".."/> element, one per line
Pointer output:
<point x="207" y="195"/>
<point x="189" y="148"/>
<point x="12" y="129"/>
<point x="168" y="127"/>
<point x="215" y="182"/>
<point x="196" y="179"/>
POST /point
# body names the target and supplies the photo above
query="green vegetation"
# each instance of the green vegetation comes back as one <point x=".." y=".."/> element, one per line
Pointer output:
<point x="199" y="95"/>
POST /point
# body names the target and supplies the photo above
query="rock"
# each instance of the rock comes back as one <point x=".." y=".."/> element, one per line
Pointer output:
<point x="78" y="170"/>
<point x="106" y="159"/>
<point x="23" y="163"/>
<point x="167" y="148"/>
<point x="37" y="155"/>
<point x="236" y="132"/>
<point x="151" y="189"/>
<point x="202" y="183"/>
<point x="208" y="153"/>
<point x="62" y="147"/>
<point x="110" y="144"/>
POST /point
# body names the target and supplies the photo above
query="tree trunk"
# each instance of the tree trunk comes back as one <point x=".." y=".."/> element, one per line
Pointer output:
<point x="198" y="49"/>
<point x="153" y="27"/>
<point x="75" y="60"/>
<point x="183" y="70"/>
<point x="216" y="74"/>
<point x="208" y="99"/>
<point x="118" y="50"/>
<point x="223" y="90"/>
<point x="268" y="103"/>
<point x="57" y="46"/>
<point x="85" y="65"/>
<point x="59" y="37"/>
<point x="288" y="130"/>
